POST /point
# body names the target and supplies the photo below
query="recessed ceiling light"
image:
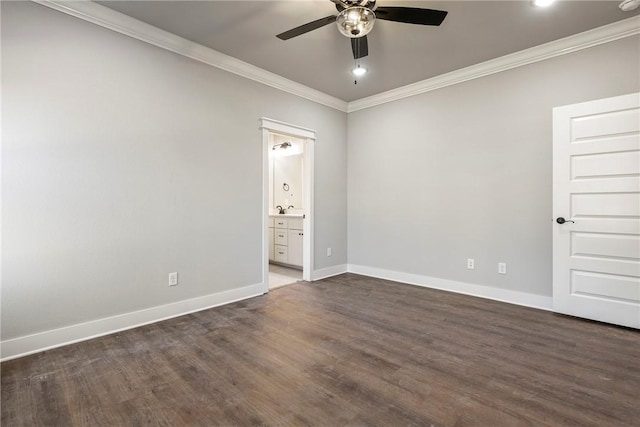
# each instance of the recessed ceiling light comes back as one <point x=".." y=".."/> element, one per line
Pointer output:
<point x="359" y="71"/>
<point x="628" y="5"/>
<point x="542" y="3"/>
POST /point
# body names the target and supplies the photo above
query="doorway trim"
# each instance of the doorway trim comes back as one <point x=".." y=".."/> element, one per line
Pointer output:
<point x="268" y="126"/>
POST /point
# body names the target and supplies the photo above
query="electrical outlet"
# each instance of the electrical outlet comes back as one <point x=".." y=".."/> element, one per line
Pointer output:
<point x="502" y="267"/>
<point x="173" y="279"/>
<point x="471" y="263"/>
<point x="328" y="251"/>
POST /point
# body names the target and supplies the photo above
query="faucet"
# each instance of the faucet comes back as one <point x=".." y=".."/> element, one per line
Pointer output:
<point x="281" y="209"/>
<point x="289" y="207"/>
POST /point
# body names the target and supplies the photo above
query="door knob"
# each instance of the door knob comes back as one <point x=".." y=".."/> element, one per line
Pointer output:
<point x="561" y="220"/>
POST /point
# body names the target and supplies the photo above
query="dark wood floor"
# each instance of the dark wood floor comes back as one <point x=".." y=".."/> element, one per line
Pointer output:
<point x="344" y="351"/>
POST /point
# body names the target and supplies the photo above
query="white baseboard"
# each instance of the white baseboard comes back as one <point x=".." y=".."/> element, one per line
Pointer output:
<point x="29" y="344"/>
<point x="323" y="273"/>
<point x="505" y="295"/>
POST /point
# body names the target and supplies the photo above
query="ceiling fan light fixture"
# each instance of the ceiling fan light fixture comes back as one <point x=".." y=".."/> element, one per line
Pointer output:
<point x="356" y="21"/>
<point x="542" y="3"/>
<point x="359" y="71"/>
<point x="282" y="146"/>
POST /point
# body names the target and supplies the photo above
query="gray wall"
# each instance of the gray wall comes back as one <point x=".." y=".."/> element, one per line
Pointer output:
<point x="123" y="162"/>
<point x="465" y="171"/>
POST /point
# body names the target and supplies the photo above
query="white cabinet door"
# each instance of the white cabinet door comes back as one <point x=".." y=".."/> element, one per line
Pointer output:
<point x="295" y="223"/>
<point x="271" y="244"/>
<point x="596" y="204"/>
<point x="295" y="247"/>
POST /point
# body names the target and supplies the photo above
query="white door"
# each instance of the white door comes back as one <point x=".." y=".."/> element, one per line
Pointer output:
<point x="596" y="189"/>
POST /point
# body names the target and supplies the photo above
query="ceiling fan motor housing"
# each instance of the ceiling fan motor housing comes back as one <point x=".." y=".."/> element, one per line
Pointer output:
<point x="343" y="4"/>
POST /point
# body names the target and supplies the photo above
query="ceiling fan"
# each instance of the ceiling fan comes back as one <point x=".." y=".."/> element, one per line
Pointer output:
<point x="356" y="18"/>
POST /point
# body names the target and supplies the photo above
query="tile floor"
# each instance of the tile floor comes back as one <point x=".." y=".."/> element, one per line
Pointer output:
<point x="281" y="276"/>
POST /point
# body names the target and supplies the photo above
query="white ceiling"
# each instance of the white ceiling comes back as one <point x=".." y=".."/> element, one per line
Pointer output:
<point x="399" y="54"/>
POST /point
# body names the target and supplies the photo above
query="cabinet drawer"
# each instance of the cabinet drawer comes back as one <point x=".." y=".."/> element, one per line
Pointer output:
<point x="281" y="237"/>
<point x="295" y="224"/>
<point x="281" y="223"/>
<point x="281" y="254"/>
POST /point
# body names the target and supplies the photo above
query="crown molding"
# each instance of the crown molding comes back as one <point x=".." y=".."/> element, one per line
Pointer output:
<point x="597" y="36"/>
<point x="108" y="18"/>
<point x="121" y="23"/>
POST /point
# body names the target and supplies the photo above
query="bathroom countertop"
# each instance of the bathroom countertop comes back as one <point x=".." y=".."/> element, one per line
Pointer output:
<point x="291" y="215"/>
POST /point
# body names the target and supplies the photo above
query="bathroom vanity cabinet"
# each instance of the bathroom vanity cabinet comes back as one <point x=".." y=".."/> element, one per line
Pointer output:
<point x="285" y="240"/>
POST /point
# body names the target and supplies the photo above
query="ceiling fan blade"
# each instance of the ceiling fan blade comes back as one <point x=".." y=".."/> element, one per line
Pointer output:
<point x="360" y="47"/>
<point x="310" y="26"/>
<point x="411" y="15"/>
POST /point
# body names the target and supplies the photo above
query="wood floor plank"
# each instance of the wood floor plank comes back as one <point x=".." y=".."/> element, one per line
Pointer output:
<point x="344" y="351"/>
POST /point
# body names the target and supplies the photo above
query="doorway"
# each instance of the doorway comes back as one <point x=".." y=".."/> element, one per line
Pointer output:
<point x="287" y="203"/>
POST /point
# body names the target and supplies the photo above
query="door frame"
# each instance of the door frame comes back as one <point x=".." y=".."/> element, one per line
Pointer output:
<point x="268" y="126"/>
